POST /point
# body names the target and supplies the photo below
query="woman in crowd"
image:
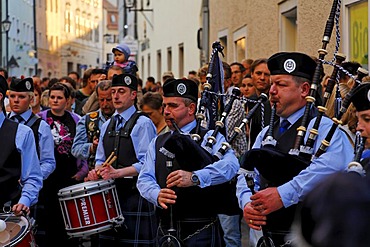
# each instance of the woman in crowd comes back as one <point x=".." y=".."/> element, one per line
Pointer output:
<point x="151" y="104"/>
<point x="247" y="89"/>
<point x="69" y="170"/>
<point x="36" y="104"/>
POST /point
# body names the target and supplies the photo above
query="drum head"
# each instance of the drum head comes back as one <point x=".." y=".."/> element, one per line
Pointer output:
<point x="169" y="241"/>
<point x="16" y="229"/>
<point x="82" y="188"/>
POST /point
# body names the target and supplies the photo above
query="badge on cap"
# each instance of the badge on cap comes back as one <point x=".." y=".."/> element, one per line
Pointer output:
<point x="181" y="88"/>
<point x="127" y="80"/>
<point x="289" y="65"/>
<point x="28" y="85"/>
<point x="368" y="95"/>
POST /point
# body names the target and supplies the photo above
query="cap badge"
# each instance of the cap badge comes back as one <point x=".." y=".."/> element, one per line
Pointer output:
<point x="127" y="80"/>
<point x="181" y="88"/>
<point x="28" y="85"/>
<point x="368" y="95"/>
<point x="289" y="65"/>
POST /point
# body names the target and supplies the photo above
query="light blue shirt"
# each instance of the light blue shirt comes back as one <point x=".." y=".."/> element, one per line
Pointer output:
<point x="142" y="134"/>
<point x="31" y="176"/>
<point x="47" y="159"/>
<point x="216" y="173"/>
<point x="336" y="158"/>
<point x="81" y="146"/>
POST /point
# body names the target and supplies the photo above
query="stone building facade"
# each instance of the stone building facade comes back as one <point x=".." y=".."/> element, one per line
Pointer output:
<point x="254" y="29"/>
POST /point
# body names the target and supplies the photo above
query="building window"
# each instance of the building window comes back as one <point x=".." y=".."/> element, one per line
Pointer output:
<point x="77" y="23"/>
<point x="109" y="57"/>
<point x="69" y="67"/>
<point x="40" y="40"/>
<point x="239" y="38"/>
<point x="52" y="42"/>
<point x="288" y="25"/>
<point x="223" y="42"/>
<point x="142" y="66"/>
<point x="89" y="27"/>
<point x="83" y="26"/>
<point x="159" y="65"/>
<point x="181" y="60"/>
<point x="222" y="36"/>
<point x="96" y="3"/>
<point x="67" y="21"/>
<point x="96" y="30"/>
<point x="30" y="71"/>
<point x="240" y="49"/>
<point x="79" y="70"/>
<point x="148" y="64"/>
<point x="169" y="59"/>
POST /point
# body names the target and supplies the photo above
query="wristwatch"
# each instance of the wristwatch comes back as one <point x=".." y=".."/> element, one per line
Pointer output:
<point x="194" y="179"/>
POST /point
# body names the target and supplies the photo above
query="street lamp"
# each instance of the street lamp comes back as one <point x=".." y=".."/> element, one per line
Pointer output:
<point x="5" y="27"/>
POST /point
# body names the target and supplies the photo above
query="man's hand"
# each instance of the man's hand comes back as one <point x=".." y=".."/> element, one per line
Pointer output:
<point x="94" y="145"/>
<point x="179" y="178"/>
<point x="102" y="77"/>
<point x="267" y="201"/>
<point x="109" y="172"/>
<point x="166" y="196"/>
<point x="253" y="217"/>
<point x="20" y="208"/>
<point x="92" y="176"/>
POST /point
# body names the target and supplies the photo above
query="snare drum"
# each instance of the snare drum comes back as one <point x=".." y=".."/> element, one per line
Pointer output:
<point x="90" y="207"/>
<point x="18" y="232"/>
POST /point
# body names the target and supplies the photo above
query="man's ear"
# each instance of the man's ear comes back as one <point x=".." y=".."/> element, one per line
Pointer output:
<point x="305" y="87"/>
<point x="134" y="94"/>
<point x="192" y="108"/>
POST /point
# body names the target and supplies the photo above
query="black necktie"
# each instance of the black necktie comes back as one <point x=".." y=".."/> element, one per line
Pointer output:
<point x="119" y="121"/>
<point x="17" y="118"/>
<point x="284" y="125"/>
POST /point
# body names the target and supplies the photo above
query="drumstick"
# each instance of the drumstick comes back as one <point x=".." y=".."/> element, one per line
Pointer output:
<point x="109" y="158"/>
<point x="110" y="162"/>
<point x="105" y="164"/>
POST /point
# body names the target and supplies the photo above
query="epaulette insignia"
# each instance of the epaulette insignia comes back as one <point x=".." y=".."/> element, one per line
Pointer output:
<point x="93" y="114"/>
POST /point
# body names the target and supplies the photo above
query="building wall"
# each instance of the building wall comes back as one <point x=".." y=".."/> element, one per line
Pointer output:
<point x="110" y="30"/>
<point x="171" y="24"/>
<point x="73" y="48"/>
<point x="48" y="31"/>
<point x="262" y="21"/>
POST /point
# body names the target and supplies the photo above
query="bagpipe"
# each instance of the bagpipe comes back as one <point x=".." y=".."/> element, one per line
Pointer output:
<point x="355" y="165"/>
<point x="191" y="156"/>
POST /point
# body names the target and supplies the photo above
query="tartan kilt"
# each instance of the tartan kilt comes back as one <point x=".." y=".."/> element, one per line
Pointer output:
<point x="140" y="220"/>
